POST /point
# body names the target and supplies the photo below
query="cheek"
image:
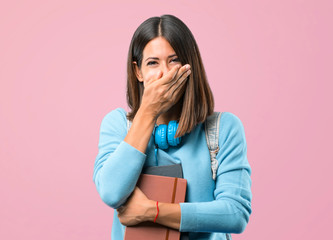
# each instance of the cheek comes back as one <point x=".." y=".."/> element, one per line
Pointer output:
<point x="150" y="74"/>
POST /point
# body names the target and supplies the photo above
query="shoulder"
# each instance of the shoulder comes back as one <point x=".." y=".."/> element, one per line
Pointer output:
<point x="116" y="114"/>
<point x="232" y="143"/>
<point x="115" y="121"/>
<point x="231" y="128"/>
<point x="230" y="120"/>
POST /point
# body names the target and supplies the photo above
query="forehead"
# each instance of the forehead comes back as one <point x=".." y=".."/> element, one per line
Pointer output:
<point x="158" y="47"/>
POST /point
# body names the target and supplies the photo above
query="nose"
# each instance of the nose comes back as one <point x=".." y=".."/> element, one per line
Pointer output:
<point x="164" y="67"/>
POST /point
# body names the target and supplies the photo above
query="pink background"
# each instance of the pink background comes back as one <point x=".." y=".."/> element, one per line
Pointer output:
<point x="62" y="68"/>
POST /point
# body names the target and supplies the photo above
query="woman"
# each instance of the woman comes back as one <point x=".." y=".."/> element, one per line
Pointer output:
<point x="166" y="81"/>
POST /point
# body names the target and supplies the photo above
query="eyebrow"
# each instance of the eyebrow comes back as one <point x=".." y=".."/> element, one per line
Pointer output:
<point x="156" y="58"/>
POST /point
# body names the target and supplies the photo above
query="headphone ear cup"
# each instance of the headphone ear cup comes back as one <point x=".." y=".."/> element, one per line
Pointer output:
<point x="161" y="136"/>
<point x="172" y="129"/>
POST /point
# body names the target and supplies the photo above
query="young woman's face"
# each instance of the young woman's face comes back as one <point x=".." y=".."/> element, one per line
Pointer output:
<point x="158" y="56"/>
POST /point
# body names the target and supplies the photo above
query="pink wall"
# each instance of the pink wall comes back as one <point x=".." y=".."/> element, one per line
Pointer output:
<point x="62" y="68"/>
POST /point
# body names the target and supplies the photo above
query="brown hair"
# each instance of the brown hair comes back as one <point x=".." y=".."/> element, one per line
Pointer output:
<point x="197" y="101"/>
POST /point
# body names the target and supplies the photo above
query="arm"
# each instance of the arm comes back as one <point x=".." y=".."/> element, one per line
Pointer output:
<point x="121" y="155"/>
<point x="140" y="209"/>
<point x="230" y="210"/>
<point x="118" y="164"/>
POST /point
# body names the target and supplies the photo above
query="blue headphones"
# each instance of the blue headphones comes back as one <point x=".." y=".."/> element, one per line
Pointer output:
<point x="165" y="135"/>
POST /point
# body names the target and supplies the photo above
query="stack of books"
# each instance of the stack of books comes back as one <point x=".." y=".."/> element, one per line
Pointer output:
<point x="158" y="187"/>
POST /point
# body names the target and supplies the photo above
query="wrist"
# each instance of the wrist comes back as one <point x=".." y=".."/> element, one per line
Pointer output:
<point x="147" y="114"/>
<point x="151" y="211"/>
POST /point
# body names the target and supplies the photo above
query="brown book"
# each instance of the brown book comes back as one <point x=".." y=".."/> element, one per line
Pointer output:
<point x="162" y="189"/>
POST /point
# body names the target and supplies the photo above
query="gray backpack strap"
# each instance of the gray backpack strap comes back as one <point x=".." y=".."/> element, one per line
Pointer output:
<point x="212" y="130"/>
<point x="129" y="124"/>
<point x="212" y="127"/>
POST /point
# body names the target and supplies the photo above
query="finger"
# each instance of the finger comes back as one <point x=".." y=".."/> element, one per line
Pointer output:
<point x="177" y="88"/>
<point x="183" y="70"/>
<point x="158" y="75"/>
<point x="170" y="75"/>
<point x="180" y="77"/>
<point x="120" y="209"/>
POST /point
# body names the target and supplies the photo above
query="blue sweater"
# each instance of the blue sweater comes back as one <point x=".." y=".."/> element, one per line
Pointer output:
<point x="212" y="207"/>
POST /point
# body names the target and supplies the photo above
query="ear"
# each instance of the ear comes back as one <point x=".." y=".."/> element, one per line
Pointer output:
<point x="137" y="72"/>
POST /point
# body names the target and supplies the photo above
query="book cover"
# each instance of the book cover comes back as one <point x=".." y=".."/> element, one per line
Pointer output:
<point x="162" y="189"/>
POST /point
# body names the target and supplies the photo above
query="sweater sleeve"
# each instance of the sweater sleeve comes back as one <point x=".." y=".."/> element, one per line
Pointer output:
<point x="230" y="211"/>
<point x="118" y="165"/>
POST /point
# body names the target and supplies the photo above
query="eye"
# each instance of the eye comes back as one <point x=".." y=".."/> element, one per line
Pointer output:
<point x="151" y="63"/>
<point x="175" y="60"/>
